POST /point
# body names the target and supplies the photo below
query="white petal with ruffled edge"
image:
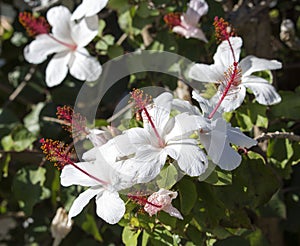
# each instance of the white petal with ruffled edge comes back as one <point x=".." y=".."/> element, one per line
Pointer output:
<point x="83" y="66"/>
<point x="110" y="207"/>
<point x="251" y="64"/>
<point x="190" y="158"/>
<point x="59" y="18"/>
<point x="88" y="8"/>
<point x="264" y="92"/>
<point x="223" y="56"/>
<point x="43" y="45"/>
<point x="57" y="68"/>
<point x="82" y="200"/>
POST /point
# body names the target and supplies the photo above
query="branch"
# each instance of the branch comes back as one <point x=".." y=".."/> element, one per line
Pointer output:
<point x="21" y="86"/>
<point x="278" y="135"/>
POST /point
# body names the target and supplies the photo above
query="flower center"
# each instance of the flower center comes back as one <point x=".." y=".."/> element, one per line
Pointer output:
<point x="34" y="25"/>
<point x="60" y="154"/>
<point x="233" y="75"/>
<point x="141" y="103"/>
<point x="172" y="19"/>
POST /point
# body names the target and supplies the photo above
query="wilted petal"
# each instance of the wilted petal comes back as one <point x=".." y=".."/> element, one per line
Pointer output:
<point x="251" y="64"/>
<point x="43" y="45"/>
<point x="191" y="159"/>
<point x="57" y="68"/>
<point x="72" y="176"/>
<point x="60" y="19"/>
<point x="84" y="67"/>
<point x="173" y="211"/>
<point x="264" y="92"/>
<point x="110" y="207"/>
<point x="88" y="8"/>
<point x="190" y="32"/>
<point x="224" y="57"/>
<point x="82" y="200"/>
<point x="196" y="9"/>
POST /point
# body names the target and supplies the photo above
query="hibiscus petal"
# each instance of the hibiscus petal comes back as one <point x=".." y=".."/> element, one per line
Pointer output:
<point x="190" y="32"/>
<point x="232" y="101"/>
<point x="144" y="166"/>
<point x="82" y="200"/>
<point x="72" y="176"/>
<point x="184" y="125"/>
<point x="60" y="19"/>
<point x="223" y="56"/>
<point x="206" y="73"/>
<point x="191" y="159"/>
<point x="173" y="211"/>
<point x="110" y="207"/>
<point x="84" y="67"/>
<point x="196" y="9"/>
<point x="88" y="8"/>
<point x="57" y="68"/>
<point x="159" y="112"/>
<point x="43" y="45"/>
<point x="251" y="64"/>
<point x="185" y="106"/>
<point x="85" y="31"/>
<point x="264" y="92"/>
<point x="238" y="138"/>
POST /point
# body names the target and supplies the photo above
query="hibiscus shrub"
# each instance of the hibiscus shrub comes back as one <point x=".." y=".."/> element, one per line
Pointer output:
<point x="149" y="122"/>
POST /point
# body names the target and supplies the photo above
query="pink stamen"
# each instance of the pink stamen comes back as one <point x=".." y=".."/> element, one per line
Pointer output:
<point x="232" y="76"/>
<point x="72" y="47"/>
<point x="142" y="200"/>
<point x="173" y="19"/>
<point x="141" y="104"/>
<point x="58" y="152"/>
<point x="34" y="25"/>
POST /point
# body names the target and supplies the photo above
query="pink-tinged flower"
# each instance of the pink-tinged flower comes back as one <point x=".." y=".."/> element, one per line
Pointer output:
<point x="161" y="200"/>
<point x="186" y="24"/>
<point x="88" y="8"/>
<point x="218" y="135"/>
<point x="67" y="42"/>
<point x="142" y="152"/>
<point x="233" y="77"/>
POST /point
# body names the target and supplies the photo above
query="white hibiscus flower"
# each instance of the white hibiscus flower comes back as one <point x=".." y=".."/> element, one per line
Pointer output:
<point x="88" y="8"/>
<point x="222" y="72"/>
<point x="67" y="42"/>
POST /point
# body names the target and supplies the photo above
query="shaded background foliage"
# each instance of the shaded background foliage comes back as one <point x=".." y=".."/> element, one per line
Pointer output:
<point x="256" y="204"/>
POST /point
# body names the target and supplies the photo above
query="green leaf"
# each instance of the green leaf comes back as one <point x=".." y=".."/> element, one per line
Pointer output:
<point x="232" y="241"/>
<point x="168" y="176"/>
<point x="32" y="121"/>
<point x="19" y="140"/>
<point x="28" y="187"/>
<point x="101" y="27"/>
<point x="130" y="236"/>
<point x="188" y="195"/>
<point x="115" y="51"/>
<point x="90" y="226"/>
